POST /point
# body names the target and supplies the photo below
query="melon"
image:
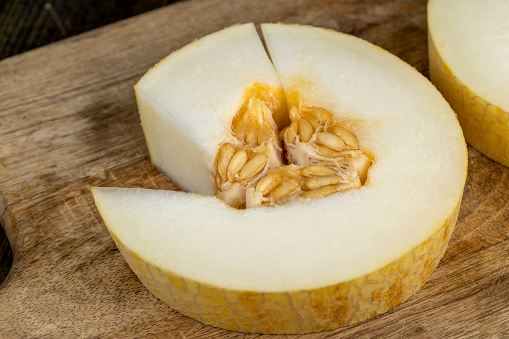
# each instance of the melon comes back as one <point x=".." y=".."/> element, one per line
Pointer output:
<point x="322" y="180"/>
<point x="469" y="64"/>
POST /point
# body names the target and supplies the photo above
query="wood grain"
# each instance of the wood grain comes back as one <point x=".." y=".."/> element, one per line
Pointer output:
<point x="69" y="120"/>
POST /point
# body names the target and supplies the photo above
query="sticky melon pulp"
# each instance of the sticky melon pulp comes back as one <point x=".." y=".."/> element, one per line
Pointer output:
<point x="469" y="64"/>
<point x="310" y="264"/>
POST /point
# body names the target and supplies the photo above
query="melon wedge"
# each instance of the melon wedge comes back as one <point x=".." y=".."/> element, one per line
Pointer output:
<point x="310" y="264"/>
<point x="469" y="64"/>
<point x="188" y="100"/>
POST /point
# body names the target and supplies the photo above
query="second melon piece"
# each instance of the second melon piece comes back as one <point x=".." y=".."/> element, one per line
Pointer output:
<point x="469" y="64"/>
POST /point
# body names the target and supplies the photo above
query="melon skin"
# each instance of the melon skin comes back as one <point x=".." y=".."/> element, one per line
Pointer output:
<point x="302" y="311"/>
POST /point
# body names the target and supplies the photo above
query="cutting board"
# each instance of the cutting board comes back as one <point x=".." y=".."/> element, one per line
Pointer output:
<point x="69" y="120"/>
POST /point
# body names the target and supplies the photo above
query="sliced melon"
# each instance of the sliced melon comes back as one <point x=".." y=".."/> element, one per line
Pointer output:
<point x="295" y="262"/>
<point x="188" y="100"/>
<point x="469" y="64"/>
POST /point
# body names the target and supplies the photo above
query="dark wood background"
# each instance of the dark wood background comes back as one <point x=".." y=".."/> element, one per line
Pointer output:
<point x="28" y="24"/>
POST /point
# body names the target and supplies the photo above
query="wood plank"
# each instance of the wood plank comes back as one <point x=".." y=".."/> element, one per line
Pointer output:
<point x="69" y="120"/>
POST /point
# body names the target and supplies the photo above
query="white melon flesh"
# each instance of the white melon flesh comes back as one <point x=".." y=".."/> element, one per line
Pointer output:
<point x="187" y="102"/>
<point x="469" y="64"/>
<point x="293" y="268"/>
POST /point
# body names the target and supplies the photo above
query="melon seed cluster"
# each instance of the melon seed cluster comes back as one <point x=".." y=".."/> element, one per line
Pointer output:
<point x="322" y="157"/>
<point x="252" y="149"/>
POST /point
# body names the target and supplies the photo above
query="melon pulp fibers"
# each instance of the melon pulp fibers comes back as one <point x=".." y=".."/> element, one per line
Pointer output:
<point x="310" y="264"/>
<point x="469" y="64"/>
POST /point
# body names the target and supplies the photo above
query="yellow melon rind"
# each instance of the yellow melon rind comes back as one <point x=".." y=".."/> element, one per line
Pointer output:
<point x="294" y="312"/>
<point x="485" y="125"/>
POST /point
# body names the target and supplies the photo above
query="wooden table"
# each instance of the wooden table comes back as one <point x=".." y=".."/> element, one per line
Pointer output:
<point x="69" y="120"/>
<point x="28" y="24"/>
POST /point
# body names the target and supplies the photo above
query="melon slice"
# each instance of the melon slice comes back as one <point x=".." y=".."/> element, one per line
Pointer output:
<point x="188" y="101"/>
<point x="469" y="64"/>
<point x="293" y="261"/>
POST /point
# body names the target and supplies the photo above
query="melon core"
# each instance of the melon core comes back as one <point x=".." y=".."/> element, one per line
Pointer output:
<point x="309" y="264"/>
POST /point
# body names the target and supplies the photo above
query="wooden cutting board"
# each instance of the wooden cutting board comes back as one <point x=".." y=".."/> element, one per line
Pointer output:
<point x="69" y="120"/>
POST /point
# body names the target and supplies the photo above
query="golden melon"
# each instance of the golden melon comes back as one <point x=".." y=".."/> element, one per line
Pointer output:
<point x="323" y="184"/>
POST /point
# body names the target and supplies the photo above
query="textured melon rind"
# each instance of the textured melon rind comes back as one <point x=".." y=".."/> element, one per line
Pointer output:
<point x="485" y="125"/>
<point x="301" y="311"/>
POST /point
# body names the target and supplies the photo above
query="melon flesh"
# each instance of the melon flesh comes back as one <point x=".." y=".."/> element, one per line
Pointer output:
<point x="311" y="264"/>
<point x="188" y="100"/>
<point x="469" y="64"/>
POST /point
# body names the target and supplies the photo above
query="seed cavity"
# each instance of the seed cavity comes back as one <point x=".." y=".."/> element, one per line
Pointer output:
<point x="264" y="135"/>
<point x="323" y="157"/>
<point x="291" y="133"/>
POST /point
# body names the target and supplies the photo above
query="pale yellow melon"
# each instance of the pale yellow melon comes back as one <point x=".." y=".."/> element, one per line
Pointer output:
<point x="469" y="64"/>
<point x="344" y="225"/>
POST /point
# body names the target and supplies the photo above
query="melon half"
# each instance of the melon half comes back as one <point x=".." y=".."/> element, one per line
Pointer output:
<point x="297" y="263"/>
<point x="469" y="64"/>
